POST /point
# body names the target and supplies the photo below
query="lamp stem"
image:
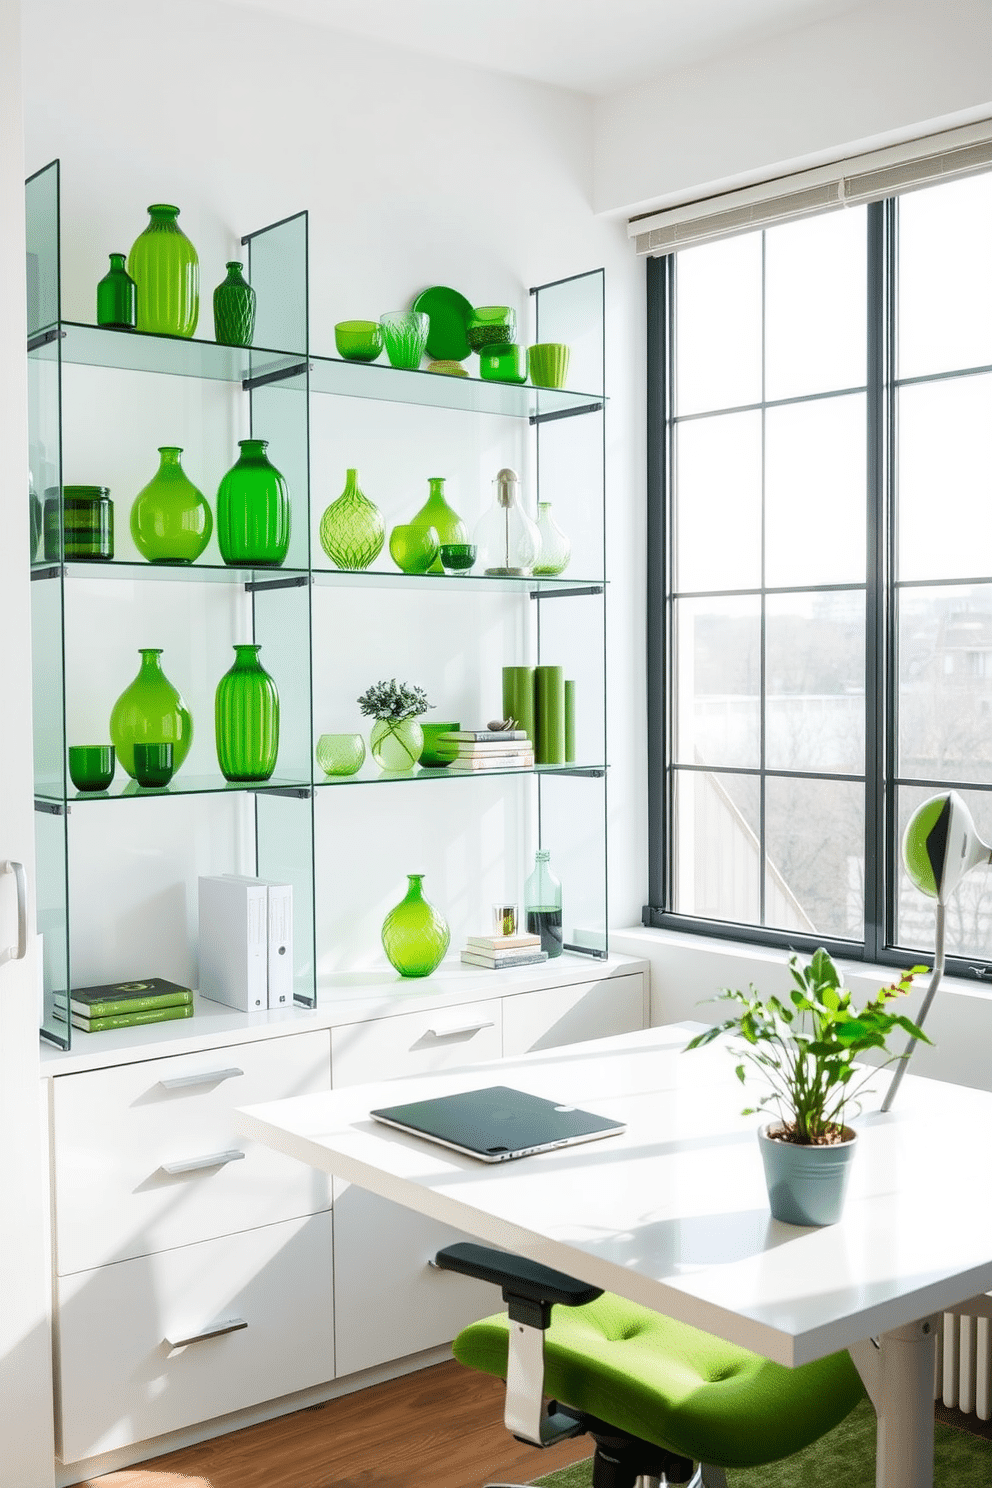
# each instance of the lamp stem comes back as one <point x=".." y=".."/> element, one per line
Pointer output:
<point x="938" y="971"/>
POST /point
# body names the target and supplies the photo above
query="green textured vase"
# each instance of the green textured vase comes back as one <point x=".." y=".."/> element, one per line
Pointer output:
<point x="436" y="513"/>
<point x="352" y="531"/>
<point x="415" y="935"/>
<point x="117" y="297"/>
<point x="234" y="308"/>
<point x="150" y="711"/>
<point x="396" y="743"/>
<point x="170" y="519"/>
<point x="166" y="273"/>
<point x="253" y="510"/>
<point x="246" y="718"/>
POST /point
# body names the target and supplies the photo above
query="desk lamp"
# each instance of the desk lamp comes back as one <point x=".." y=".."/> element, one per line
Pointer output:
<point x="939" y="847"/>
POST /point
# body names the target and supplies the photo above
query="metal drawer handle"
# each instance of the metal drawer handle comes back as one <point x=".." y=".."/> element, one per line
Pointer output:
<point x="453" y="1029"/>
<point x="205" y="1077"/>
<point x="192" y="1164"/>
<point x="18" y="952"/>
<point x="231" y="1326"/>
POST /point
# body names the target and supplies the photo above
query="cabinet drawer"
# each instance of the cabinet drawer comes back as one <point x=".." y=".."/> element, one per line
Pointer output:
<point x="147" y="1155"/>
<point x="126" y="1376"/>
<point x="416" y="1043"/>
<point x="567" y="1015"/>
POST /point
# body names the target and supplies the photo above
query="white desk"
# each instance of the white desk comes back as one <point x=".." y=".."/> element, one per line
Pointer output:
<point x="674" y="1212"/>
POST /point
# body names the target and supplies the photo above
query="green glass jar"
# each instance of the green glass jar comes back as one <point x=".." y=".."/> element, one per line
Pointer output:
<point x="166" y="272"/>
<point x="253" y="510"/>
<point x="396" y="743"/>
<point x="415" y="935"/>
<point x="246" y="717"/>
<point x="117" y="297"/>
<point x="170" y="519"/>
<point x="436" y="513"/>
<point x="352" y="531"/>
<point x="234" y="308"/>
<point x="150" y="711"/>
<point x="83" y="531"/>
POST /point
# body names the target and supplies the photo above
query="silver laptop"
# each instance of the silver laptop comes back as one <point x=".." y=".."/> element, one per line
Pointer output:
<point x="498" y="1123"/>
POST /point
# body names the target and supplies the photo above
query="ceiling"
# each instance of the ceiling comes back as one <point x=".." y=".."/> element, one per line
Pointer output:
<point x="594" y="46"/>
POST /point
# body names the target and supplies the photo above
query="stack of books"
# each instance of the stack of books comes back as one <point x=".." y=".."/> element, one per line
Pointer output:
<point x="126" y="1004"/>
<point x="496" y="951"/>
<point x="486" y="749"/>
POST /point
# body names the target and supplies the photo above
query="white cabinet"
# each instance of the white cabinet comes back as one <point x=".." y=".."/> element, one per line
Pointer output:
<point x="568" y="1015"/>
<point x="416" y="1043"/>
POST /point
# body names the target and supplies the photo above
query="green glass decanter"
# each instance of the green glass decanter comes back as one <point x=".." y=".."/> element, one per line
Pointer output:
<point x="246" y="717"/>
<point x="166" y="271"/>
<point x="542" y="901"/>
<point x="352" y="531"/>
<point x="150" y="711"/>
<point x="415" y="935"/>
<point x="253" y="509"/>
<point x="117" y="297"/>
<point x="234" y="308"/>
<point x="170" y="519"/>
<point x="556" y="549"/>
<point x="436" y="513"/>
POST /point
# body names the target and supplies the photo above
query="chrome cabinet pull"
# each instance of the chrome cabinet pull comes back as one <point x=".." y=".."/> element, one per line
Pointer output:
<point x="454" y="1029"/>
<point x="205" y="1077"/>
<point x="193" y="1164"/>
<point x="232" y="1325"/>
<point x="19" y="951"/>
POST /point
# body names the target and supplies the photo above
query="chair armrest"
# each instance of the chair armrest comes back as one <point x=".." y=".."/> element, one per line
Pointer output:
<point x="518" y="1278"/>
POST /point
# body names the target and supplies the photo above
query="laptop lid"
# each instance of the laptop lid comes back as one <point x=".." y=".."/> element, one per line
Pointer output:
<point x="498" y="1122"/>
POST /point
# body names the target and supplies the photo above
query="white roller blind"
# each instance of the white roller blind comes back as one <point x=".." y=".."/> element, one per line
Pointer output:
<point x="845" y="183"/>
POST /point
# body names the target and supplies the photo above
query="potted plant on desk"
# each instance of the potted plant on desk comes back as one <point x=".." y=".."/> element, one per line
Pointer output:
<point x="804" y="1048"/>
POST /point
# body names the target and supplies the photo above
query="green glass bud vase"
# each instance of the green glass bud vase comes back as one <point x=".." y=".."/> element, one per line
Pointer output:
<point x="556" y="549"/>
<point x="246" y="717"/>
<point x="253" y="510"/>
<point x="170" y="519"/>
<point x="396" y="743"/>
<point x="436" y="513"/>
<point x="415" y="935"/>
<point x="150" y="711"/>
<point x="166" y="273"/>
<point x="352" y="531"/>
<point x="234" y="308"/>
<point x="117" y="297"/>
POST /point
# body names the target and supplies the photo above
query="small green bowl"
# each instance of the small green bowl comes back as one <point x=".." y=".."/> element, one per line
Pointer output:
<point x="358" y="340"/>
<point x="154" y="765"/>
<point x="429" y="755"/>
<point x="457" y="556"/>
<point x="91" y="766"/>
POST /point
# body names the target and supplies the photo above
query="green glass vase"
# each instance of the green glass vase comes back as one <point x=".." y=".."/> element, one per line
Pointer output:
<point x="556" y="549"/>
<point x="166" y="273"/>
<point x="253" y="510"/>
<point x="117" y="297"/>
<point x="234" y="308"/>
<point x="436" y="513"/>
<point x="170" y="519"/>
<point x="396" y="743"/>
<point x="352" y="531"/>
<point x="415" y="935"/>
<point x="542" y="901"/>
<point x="150" y="711"/>
<point x="246" y="718"/>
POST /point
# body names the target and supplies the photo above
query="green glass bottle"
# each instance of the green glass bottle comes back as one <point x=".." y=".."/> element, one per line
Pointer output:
<point x="415" y="935"/>
<point x="352" y="531"/>
<point x="253" y="509"/>
<point x="170" y="519"/>
<point x="542" y="901"/>
<point x="246" y="717"/>
<point x="234" y="308"/>
<point x="117" y="297"/>
<point x="436" y="513"/>
<point x="150" y="711"/>
<point x="166" y="272"/>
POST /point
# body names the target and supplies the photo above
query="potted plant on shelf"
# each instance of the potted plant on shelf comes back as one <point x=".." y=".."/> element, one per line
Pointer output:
<point x="397" y="740"/>
<point x="805" y="1048"/>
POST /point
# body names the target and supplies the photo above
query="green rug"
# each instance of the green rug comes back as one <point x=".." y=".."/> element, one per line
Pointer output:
<point x="845" y="1457"/>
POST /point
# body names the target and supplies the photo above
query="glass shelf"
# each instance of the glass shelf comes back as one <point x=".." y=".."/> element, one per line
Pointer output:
<point x="370" y="774"/>
<point x="481" y="583"/>
<point x="176" y="356"/>
<point x="172" y="573"/>
<point x="49" y="792"/>
<point x="440" y="390"/>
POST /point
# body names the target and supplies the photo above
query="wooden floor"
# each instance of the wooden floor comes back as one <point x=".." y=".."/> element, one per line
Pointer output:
<point x="439" y="1428"/>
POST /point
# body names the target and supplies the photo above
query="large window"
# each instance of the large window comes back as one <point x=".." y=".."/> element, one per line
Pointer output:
<point x="821" y="578"/>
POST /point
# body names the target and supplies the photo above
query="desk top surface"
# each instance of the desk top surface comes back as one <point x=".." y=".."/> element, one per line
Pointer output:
<point x="673" y="1213"/>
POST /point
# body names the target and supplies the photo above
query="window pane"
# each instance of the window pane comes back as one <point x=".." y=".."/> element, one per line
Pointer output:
<point x="945" y="288"/>
<point x="718" y="665"/>
<point x="814" y="875"/>
<point x="717" y="848"/>
<point x="968" y="920"/>
<point x="718" y="503"/>
<point x="816" y="304"/>
<point x="815" y="678"/>
<point x="815" y="482"/>
<point x="718" y="325"/>
<point x="945" y="485"/>
<point x="945" y="683"/>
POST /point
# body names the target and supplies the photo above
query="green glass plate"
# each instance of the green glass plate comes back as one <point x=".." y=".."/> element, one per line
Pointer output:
<point x="449" y="312"/>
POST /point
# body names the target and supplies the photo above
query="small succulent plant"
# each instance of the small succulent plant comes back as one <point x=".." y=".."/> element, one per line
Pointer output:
<point x="394" y="700"/>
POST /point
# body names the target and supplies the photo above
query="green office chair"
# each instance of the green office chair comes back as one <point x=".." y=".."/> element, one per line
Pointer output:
<point x="656" y="1396"/>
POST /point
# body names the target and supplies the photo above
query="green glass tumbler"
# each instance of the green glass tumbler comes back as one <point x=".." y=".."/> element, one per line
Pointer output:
<point x="436" y="513"/>
<point x="154" y="765"/>
<point x="82" y="529"/>
<point x="166" y="271"/>
<point x="415" y="935"/>
<point x="405" y="335"/>
<point x="253" y="510"/>
<point x="340" y="754"/>
<point x="150" y="711"/>
<point x="352" y="531"/>
<point x="91" y="766"/>
<point x="117" y="297"/>
<point x="170" y="519"/>
<point x="234" y="308"/>
<point x="246" y="717"/>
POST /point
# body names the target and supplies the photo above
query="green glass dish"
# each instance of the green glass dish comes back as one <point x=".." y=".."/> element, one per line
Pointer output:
<point x="234" y="308"/>
<point x="340" y="754"/>
<point x="246" y="719"/>
<point x="396" y="743"/>
<point x="150" y="711"/>
<point x="491" y="325"/>
<point x="449" y="313"/>
<point x="415" y="935"/>
<point x="405" y="335"/>
<point x="117" y="297"/>
<point x="358" y="340"/>
<point x="413" y="549"/>
<point x="83" y="529"/>
<point x="154" y="765"/>
<point x="352" y="531"/>
<point x="253" y="510"/>
<point x="547" y="363"/>
<point x="166" y="271"/>
<point x="170" y="519"/>
<point x="457" y="557"/>
<point x="430" y="756"/>
<point x="436" y="513"/>
<point x="92" y="766"/>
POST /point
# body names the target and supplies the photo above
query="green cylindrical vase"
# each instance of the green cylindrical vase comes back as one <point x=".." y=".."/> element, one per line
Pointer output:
<point x="166" y="273"/>
<point x="518" y="698"/>
<point x="569" y="722"/>
<point x="415" y="935"/>
<point x="170" y="519"/>
<point x="549" y="708"/>
<point x="150" y="711"/>
<point x="246" y="718"/>
<point x="253" y="510"/>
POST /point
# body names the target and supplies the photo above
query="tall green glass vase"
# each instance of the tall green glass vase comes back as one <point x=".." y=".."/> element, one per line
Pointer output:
<point x="436" y="513"/>
<point x="166" y="272"/>
<point x="352" y="531"/>
<point x="234" y="308"/>
<point x="150" y="711"/>
<point x="170" y="519"/>
<point x="246" y="716"/>
<point x="253" y="510"/>
<point x="415" y="935"/>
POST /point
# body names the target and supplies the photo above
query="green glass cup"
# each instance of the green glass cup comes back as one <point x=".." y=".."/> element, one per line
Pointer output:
<point x="491" y="325"/>
<point x="154" y="765"/>
<point x="340" y="754"/>
<point x="405" y="335"/>
<point x="431" y="756"/>
<point x="358" y="340"/>
<point x="457" y="557"/>
<point x="503" y="363"/>
<point x="413" y="549"/>
<point x="548" y="364"/>
<point x="92" y="766"/>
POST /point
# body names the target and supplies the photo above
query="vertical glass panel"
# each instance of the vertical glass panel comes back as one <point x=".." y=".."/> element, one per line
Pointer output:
<point x="718" y="685"/>
<point x="571" y="462"/>
<point x="945" y="515"/>
<point x="717" y="846"/>
<point x="945" y="683"/>
<point x="718" y="503"/>
<point x="572" y="311"/>
<point x="279" y="415"/>
<point x="718" y="325"/>
<point x="816" y="316"/>
<point x="41" y="205"/>
<point x="945" y="289"/>
<point x="52" y="917"/>
<point x="968" y="920"/>
<point x="815" y="682"/>
<point x="573" y="829"/>
<point x="815" y="862"/>
<point x="277" y="271"/>
<point x="815" y="479"/>
<point x="284" y="845"/>
<point x="282" y="630"/>
<point x="571" y="636"/>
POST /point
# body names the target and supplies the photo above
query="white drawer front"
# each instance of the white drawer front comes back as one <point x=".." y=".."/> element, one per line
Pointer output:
<point x="121" y="1382"/>
<point x="415" y="1043"/>
<point x="567" y="1015"/>
<point x="147" y="1155"/>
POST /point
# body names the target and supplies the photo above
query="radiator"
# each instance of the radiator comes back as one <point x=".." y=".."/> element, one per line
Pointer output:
<point x="964" y="1364"/>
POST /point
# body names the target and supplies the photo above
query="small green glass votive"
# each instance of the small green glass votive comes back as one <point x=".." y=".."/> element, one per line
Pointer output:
<point x="491" y="325"/>
<point x="92" y="766"/>
<point x="340" y="754"/>
<point x="358" y="340"/>
<point x="456" y="557"/>
<point x="503" y="363"/>
<point x="431" y="755"/>
<point x="154" y="765"/>
<point x="548" y="364"/>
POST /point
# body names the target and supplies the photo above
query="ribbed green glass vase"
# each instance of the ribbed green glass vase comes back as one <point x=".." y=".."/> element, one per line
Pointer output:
<point x="436" y="513"/>
<point x="166" y="272"/>
<point x="234" y="308"/>
<point x="352" y="531"/>
<point x="253" y="509"/>
<point x="246" y="716"/>
<point x="170" y="519"/>
<point x="415" y="935"/>
<point x="150" y="711"/>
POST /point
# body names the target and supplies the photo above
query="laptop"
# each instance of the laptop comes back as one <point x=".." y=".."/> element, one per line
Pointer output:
<point x="498" y="1123"/>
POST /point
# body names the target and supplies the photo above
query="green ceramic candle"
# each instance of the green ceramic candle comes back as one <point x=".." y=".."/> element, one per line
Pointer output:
<point x="518" y="698"/>
<point x="549" y="694"/>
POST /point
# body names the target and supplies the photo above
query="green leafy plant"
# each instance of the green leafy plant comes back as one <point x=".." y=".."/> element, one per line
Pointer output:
<point x="394" y="700"/>
<point x="805" y="1047"/>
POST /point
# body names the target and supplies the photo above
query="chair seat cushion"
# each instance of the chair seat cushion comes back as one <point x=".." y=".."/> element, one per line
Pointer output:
<point x="675" y="1386"/>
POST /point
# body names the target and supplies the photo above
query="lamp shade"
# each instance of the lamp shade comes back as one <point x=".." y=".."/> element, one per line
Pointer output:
<point x="940" y="845"/>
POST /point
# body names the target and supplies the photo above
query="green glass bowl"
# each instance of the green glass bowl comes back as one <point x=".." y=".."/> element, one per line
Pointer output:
<point x="413" y="549"/>
<point x="358" y="340"/>
<point x="92" y="766"/>
<point x="340" y="754"/>
<point x="491" y="325"/>
<point x="429" y="755"/>
<point x="547" y="362"/>
<point x="457" y="556"/>
<point x="503" y="363"/>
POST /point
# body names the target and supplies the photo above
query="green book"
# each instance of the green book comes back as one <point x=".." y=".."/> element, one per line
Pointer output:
<point x="128" y="997"/>
<point x="131" y="1020"/>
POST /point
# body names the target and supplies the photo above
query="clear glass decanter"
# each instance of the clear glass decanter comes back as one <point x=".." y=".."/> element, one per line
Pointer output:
<point x="508" y="541"/>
